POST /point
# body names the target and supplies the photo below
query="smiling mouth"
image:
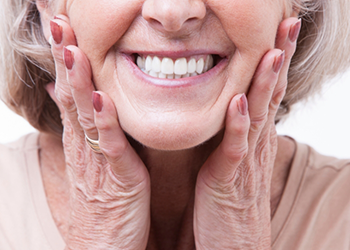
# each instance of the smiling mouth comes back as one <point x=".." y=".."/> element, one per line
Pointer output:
<point x="168" y="68"/>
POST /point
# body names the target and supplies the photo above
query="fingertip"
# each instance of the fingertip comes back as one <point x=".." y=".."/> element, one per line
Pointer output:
<point x="106" y="118"/>
<point x="97" y="101"/>
<point x="278" y="62"/>
<point x="237" y="121"/>
<point x="56" y="32"/>
<point x="242" y="104"/>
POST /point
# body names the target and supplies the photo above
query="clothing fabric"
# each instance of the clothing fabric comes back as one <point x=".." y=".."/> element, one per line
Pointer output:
<point x="313" y="214"/>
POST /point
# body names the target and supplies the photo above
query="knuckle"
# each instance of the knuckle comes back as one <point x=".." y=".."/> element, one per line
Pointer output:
<point x="236" y="153"/>
<point x="103" y="125"/>
<point x="57" y="55"/>
<point x="64" y="98"/>
<point x="239" y="128"/>
<point x="86" y="122"/>
<point x="258" y="122"/>
<point x="279" y="93"/>
<point x="115" y="153"/>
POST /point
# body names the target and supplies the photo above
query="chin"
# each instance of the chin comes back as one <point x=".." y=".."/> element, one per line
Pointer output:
<point x="170" y="137"/>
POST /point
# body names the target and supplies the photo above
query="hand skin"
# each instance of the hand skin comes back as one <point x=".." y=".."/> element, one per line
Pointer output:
<point x="110" y="192"/>
<point x="233" y="186"/>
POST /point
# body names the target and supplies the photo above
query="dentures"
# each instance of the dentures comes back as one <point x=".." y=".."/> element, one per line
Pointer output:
<point x="181" y="68"/>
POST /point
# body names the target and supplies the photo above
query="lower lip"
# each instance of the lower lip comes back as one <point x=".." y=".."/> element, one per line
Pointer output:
<point x="175" y="83"/>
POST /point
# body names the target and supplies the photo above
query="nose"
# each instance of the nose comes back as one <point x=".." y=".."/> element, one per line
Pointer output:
<point x="173" y="15"/>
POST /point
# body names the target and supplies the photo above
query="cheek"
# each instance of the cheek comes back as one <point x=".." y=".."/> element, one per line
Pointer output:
<point x="250" y="24"/>
<point x="98" y="25"/>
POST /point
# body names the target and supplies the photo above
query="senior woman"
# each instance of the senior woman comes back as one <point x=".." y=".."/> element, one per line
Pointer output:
<point x="168" y="111"/>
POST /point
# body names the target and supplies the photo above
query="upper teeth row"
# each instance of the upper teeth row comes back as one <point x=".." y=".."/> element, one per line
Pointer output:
<point x="167" y="68"/>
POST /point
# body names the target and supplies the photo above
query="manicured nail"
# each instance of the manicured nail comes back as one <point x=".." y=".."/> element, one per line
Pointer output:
<point x="68" y="58"/>
<point x="56" y="32"/>
<point x="97" y="101"/>
<point x="243" y="105"/>
<point x="50" y="40"/>
<point x="294" y="31"/>
<point x="279" y="60"/>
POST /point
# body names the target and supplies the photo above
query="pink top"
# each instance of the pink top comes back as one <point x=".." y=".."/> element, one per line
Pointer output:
<point x="314" y="212"/>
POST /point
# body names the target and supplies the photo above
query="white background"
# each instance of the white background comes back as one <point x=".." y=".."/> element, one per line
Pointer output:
<point x="323" y="123"/>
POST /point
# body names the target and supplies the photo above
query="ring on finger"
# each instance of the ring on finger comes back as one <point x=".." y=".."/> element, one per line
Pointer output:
<point x="93" y="144"/>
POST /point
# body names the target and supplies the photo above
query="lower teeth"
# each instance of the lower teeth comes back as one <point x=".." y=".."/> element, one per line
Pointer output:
<point x="169" y="76"/>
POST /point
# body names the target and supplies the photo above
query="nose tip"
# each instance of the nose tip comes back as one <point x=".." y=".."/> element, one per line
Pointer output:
<point x="173" y="15"/>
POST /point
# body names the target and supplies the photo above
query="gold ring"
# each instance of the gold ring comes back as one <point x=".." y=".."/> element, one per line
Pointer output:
<point x="94" y="144"/>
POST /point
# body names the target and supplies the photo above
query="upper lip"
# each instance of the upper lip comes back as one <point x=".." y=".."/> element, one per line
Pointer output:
<point x="176" y="54"/>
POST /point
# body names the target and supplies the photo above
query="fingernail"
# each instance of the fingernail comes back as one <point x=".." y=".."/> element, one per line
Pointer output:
<point x="97" y="101"/>
<point x="50" y="40"/>
<point x="279" y="60"/>
<point x="68" y="58"/>
<point x="56" y="32"/>
<point x="243" y="105"/>
<point x="294" y="31"/>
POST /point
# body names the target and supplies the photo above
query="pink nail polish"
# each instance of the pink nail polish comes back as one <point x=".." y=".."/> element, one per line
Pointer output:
<point x="294" y="31"/>
<point x="68" y="58"/>
<point x="97" y="101"/>
<point x="278" y="63"/>
<point x="243" y="105"/>
<point x="56" y="32"/>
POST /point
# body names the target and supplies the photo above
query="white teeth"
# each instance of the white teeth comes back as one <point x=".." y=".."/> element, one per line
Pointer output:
<point x="200" y="66"/>
<point x="140" y="62"/>
<point x="180" y="66"/>
<point x="161" y="75"/>
<point x="148" y="63"/>
<point x="156" y="64"/>
<point x="191" y="66"/>
<point x="166" y="68"/>
<point x="154" y="74"/>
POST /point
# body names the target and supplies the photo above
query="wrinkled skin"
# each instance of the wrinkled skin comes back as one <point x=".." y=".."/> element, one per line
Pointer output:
<point x="110" y="193"/>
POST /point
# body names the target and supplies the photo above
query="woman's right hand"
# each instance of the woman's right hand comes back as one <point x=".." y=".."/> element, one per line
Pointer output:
<point x="109" y="192"/>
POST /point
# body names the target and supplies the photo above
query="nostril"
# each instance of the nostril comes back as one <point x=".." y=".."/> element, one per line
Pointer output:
<point x="171" y="16"/>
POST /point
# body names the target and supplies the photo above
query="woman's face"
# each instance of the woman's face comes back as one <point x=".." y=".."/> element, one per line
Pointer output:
<point x="174" y="113"/>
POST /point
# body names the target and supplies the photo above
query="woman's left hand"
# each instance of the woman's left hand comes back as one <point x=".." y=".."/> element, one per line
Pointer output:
<point x="232" y="200"/>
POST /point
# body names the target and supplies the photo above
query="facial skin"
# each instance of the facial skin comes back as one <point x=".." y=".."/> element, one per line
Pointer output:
<point x="163" y="117"/>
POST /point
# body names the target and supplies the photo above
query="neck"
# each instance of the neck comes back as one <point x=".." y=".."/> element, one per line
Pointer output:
<point x="173" y="177"/>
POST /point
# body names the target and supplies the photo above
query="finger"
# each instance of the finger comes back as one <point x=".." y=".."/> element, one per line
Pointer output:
<point x="125" y="163"/>
<point x="63" y="35"/>
<point x="79" y="78"/>
<point x="50" y="89"/>
<point x="286" y="40"/>
<point x="223" y="163"/>
<point x="261" y="90"/>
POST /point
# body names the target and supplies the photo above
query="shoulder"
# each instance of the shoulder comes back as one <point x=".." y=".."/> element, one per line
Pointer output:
<point x="13" y="156"/>
<point x="19" y="177"/>
<point x="314" y="212"/>
<point x="323" y="169"/>
<point x="323" y="176"/>
<point x="321" y="162"/>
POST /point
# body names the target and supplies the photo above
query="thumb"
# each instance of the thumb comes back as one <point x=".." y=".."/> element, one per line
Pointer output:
<point x="222" y="164"/>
